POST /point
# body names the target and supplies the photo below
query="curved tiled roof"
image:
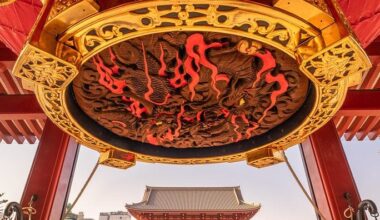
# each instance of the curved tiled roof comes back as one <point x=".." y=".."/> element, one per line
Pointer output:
<point x="193" y="199"/>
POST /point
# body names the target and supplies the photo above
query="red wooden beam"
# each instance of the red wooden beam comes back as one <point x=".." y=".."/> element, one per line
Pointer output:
<point x="329" y="173"/>
<point x="343" y="124"/>
<point x="51" y="173"/>
<point x="7" y="55"/>
<point x="354" y="128"/>
<point x="361" y="103"/>
<point x="11" y="85"/>
<point x="367" y="127"/>
<point x="13" y="131"/>
<point x="17" y="107"/>
<point x="25" y="131"/>
<point x="374" y="48"/>
<point x="4" y="135"/>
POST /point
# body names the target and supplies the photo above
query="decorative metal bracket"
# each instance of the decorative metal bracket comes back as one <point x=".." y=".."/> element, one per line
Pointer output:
<point x="13" y="211"/>
<point x="367" y="205"/>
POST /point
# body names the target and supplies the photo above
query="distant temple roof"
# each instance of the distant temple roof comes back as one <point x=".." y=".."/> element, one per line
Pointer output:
<point x="193" y="199"/>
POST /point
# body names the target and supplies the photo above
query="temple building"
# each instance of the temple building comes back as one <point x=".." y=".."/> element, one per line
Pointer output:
<point x="193" y="203"/>
<point x="79" y="216"/>
<point x="119" y="215"/>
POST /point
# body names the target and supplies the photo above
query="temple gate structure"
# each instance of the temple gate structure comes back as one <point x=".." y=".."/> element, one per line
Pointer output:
<point x="193" y="203"/>
<point x="189" y="82"/>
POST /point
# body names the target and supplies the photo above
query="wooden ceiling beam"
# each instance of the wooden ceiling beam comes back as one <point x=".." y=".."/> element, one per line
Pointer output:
<point x="374" y="134"/>
<point x="4" y="135"/>
<point x="35" y="127"/>
<point x="374" y="48"/>
<point x="372" y="76"/>
<point x="343" y="124"/>
<point x="7" y="55"/>
<point x="10" y="83"/>
<point x="25" y="131"/>
<point x="361" y="103"/>
<point x="355" y="126"/>
<point x="20" y="107"/>
<point x="13" y="131"/>
<point x="367" y="127"/>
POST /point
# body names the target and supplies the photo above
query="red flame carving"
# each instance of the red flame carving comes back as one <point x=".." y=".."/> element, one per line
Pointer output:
<point x="199" y="114"/>
<point x="178" y="80"/>
<point x="268" y="63"/>
<point x="162" y="70"/>
<point x="114" y="85"/>
<point x="179" y="125"/>
<point x="196" y="49"/>
<point x="193" y="42"/>
<point x="238" y="134"/>
<point x="149" y="83"/>
<point x="251" y="129"/>
<point x="136" y="108"/>
<point x="281" y="80"/>
<point x="169" y="135"/>
<point x="115" y="68"/>
<point x="225" y="112"/>
<point x="151" y="138"/>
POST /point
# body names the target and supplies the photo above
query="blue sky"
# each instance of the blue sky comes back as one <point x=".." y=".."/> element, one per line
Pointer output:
<point x="273" y="187"/>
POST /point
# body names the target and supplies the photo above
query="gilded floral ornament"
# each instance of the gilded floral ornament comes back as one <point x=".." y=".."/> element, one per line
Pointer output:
<point x="336" y="62"/>
<point x="44" y="69"/>
<point x="259" y="23"/>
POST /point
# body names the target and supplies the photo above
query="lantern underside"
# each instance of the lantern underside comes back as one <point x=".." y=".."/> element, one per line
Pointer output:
<point x="189" y="89"/>
<point x="191" y="82"/>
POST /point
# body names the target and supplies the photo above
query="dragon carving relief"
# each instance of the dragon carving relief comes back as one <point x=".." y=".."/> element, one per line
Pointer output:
<point x="190" y="89"/>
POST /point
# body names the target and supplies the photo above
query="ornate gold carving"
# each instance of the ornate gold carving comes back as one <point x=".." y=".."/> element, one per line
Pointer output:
<point x="336" y="62"/>
<point x="118" y="159"/>
<point x="263" y="24"/>
<point x="43" y="68"/>
<point x="329" y="100"/>
<point x="265" y="157"/>
<point x="63" y="14"/>
<point x="52" y="102"/>
<point x="60" y="6"/>
<point x="148" y="17"/>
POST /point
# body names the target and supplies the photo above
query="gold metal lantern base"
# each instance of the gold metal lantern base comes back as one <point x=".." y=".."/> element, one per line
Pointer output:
<point x="70" y="34"/>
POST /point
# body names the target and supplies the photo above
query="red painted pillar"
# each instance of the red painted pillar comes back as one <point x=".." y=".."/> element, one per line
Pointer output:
<point x="329" y="173"/>
<point x="51" y="173"/>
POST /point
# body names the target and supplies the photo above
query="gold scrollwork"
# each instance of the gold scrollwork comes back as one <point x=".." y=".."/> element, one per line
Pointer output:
<point x="329" y="100"/>
<point x="43" y="68"/>
<point x="52" y="101"/>
<point x="336" y="62"/>
<point x="245" y="19"/>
